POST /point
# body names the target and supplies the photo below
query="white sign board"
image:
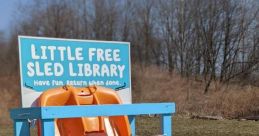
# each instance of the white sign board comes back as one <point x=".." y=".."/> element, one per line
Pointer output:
<point x="53" y="62"/>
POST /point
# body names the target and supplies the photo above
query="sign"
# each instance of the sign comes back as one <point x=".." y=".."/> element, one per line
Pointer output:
<point x="53" y="62"/>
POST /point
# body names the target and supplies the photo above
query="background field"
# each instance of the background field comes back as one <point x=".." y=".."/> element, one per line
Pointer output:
<point x="230" y="104"/>
<point x="147" y="126"/>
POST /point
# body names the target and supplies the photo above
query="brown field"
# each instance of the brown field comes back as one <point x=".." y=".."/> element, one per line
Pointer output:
<point x="232" y="101"/>
<point x="155" y="85"/>
<point x="10" y="97"/>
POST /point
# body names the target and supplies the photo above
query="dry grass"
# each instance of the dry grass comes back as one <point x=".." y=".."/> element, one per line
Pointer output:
<point x="146" y="126"/>
<point x="155" y="85"/>
<point x="194" y="127"/>
<point x="10" y="97"/>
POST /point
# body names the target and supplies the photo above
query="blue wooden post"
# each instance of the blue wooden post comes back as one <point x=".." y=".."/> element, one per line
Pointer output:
<point x="132" y="120"/>
<point x="47" y="127"/>
<point x="21" y="127"/>
<point x="166" y="124"/>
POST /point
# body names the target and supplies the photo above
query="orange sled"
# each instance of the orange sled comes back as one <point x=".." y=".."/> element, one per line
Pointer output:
<point x="85" y="126"/>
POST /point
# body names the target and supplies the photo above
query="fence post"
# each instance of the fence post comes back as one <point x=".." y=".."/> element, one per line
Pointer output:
<point x="132" y="120"/>
<point x="166" y="124"/>
<point x="47" y="127"/>
<point x="21" y="127"/>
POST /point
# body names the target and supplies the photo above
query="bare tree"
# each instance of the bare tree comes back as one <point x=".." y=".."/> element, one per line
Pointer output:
<point x="211" y="40"/>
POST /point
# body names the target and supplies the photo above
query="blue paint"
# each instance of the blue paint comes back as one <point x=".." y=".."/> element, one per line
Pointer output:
<point x="132" y="120"/>
<point x="47" y="127"/>
<point x="105" y="110"/>
<point x="48" y="114"/>
<point x="26" y="113"/>
<point x="166" y="124"/>
<point x="21" y="128"/>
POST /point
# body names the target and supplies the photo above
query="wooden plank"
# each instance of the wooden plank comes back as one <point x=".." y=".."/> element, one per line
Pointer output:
<point x="105" y="110"/>
<point x="47" y="127"/>
<point x="166" y="124"/>
<point x="21" y="128"/>
<point x="132" y="120"/>
<point x="26" y="113"/>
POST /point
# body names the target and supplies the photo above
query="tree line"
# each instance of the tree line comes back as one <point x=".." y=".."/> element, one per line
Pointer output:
<point x="206" y="39"/>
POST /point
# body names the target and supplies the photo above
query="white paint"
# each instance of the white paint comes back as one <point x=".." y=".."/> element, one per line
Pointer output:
<point x="48" y="69"/>
<point x="30" y="72"/>
<point x="52" y="54"/>
<point x="87" y="70"/>
<point x="58" y="69"/>
<point x="33" y="52"/>
<point x="121" y="69"/>
<point x="79" y="55"/>
<point x="69" y="54"/>
<point x="61" y="50"/>
<point x="71" y="72"/>
<point x="125" y="95"/>
<point x="96" y="70"/>
<point x="116" y="55"/>
<point x="30" y="96"/>
<point x="43" y="56"/>
<point x="91" y="53"/>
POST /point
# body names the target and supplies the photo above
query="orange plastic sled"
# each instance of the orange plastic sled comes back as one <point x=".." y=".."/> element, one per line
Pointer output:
<point x="86" y="126"/>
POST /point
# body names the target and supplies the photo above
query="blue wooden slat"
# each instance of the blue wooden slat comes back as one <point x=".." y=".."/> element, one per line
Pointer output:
<point x="93" y="110"/>
<point x="105" y="110"/>
<point x="132" y="120"/>
<point x="47" y="127"/>
<point x="166" y="124"/>
<point x="21" y="128"/>
<point x="26" y="113"/>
